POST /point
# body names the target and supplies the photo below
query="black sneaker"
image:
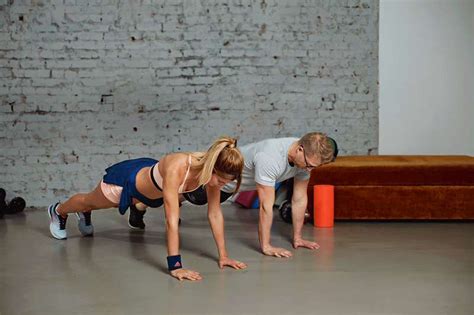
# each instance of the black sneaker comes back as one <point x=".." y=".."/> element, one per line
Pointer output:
<point x="135" y="218"/>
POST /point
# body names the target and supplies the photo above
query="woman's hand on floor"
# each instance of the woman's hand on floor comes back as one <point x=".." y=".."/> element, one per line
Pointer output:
<point x="186" y="274"/>
<point x="225" y="261"/>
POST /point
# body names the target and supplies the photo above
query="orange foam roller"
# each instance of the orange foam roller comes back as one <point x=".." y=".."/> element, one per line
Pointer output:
<point x="323" y="206"/>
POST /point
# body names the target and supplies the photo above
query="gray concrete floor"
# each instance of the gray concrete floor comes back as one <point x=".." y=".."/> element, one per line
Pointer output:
<point x="361" y="268"/>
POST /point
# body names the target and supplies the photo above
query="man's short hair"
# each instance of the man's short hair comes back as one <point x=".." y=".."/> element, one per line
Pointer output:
<point x="320" y="145"/>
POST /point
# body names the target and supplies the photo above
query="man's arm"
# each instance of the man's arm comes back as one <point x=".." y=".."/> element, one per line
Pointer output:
<point x="266" y="195"/>
<point x="299" y="203"/>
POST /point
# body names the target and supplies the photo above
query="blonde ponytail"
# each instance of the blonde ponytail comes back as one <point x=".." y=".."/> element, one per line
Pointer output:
<point x="223" y="158"/>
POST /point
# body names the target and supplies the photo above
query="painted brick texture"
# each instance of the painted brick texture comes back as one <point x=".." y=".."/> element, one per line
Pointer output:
<point x="84" y="84"/>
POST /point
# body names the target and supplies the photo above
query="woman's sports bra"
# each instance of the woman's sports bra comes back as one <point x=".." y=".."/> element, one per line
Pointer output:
<point x="158" y="179"/>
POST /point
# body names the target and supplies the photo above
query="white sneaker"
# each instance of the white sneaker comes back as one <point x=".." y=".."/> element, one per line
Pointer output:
<point x="57" y="224"/>
<point x="85" y="224"/>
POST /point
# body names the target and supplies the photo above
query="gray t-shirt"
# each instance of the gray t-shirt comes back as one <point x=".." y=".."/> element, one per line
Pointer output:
<point x="266" y="163"/>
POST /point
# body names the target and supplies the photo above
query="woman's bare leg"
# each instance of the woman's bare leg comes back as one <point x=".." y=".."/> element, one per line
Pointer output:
<point x="140" y="206"/>
<point x="85" y="202"/>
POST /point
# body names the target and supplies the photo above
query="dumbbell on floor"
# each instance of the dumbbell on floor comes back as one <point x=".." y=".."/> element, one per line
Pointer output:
<point x="15" y="205"/>
<point x="285" y="212"/>
<point x="2" y="202"/>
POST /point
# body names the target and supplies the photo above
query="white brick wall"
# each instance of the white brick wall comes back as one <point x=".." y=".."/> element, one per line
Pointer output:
<point x="84" y="84"/>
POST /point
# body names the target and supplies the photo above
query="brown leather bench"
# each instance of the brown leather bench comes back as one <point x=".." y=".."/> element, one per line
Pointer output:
<point x="399" y="187"/>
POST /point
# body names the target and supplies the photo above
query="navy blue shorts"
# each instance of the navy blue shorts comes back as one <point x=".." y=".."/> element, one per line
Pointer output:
<point x="123" y="174"/>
